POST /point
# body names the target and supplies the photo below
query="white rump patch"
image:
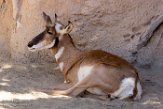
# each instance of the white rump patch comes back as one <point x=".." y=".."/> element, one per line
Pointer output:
<point x="59" y="53"/>
<point x="126" y="88"/>
<point x="84" y="71"/>
<point x="58" y="27"/>
<point x="96" y="91"/>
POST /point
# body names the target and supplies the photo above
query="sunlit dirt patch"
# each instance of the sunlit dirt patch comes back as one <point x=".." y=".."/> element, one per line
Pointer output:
<point x="9" y="96"/>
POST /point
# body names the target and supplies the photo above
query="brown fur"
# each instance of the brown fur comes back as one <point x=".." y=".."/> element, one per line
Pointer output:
<point x="106" y="70"/>
<point x="116" y="67"/>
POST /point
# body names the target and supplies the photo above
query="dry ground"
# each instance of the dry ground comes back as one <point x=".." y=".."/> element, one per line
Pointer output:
<point x="19" y="85"/>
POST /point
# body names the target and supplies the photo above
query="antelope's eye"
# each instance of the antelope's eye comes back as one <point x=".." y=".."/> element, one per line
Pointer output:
<point x="49" y="32"/>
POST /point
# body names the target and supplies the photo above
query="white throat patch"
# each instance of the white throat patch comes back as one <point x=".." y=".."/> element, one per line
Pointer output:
<point x="59" y="53"/>
<point x="61" y="66"/>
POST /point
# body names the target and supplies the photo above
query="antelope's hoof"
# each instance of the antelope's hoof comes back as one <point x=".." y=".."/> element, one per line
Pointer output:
<point x="66" y="81"/>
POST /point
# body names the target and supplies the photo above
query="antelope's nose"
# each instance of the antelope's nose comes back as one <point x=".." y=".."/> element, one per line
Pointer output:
<point x="30" y="44"/>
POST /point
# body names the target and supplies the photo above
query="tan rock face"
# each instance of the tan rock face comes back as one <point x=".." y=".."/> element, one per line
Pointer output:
<point x="111" y="25"/>
<point x="6" y="23"/>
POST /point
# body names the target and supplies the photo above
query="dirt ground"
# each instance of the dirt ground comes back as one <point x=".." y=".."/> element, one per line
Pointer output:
<point x="112" y="25"/>
<point x="19" y="85"/>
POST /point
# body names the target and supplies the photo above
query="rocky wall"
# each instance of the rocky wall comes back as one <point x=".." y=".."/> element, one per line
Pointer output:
<point x="112" y="25"/>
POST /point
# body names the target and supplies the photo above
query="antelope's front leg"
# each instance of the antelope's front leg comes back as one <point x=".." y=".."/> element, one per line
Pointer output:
<point x="66" y="80"/>
<point x="62" y="86"/>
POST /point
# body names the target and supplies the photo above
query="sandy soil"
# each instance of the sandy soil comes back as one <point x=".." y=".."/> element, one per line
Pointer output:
<point x="19" y="85"/>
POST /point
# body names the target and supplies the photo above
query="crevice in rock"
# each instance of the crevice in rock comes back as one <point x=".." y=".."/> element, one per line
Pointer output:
<point x="147" y="42"/>
<point x="3" y="7"/>
<point x="147" y="35"/>
<point x="17" y="4"/>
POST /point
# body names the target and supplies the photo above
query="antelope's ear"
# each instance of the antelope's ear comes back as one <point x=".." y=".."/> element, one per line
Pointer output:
<point x="68" y="28"/>
<point x="47" y="19"/>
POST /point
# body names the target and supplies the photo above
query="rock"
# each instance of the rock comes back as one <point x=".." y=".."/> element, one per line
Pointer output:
<point x="100" y="24"/>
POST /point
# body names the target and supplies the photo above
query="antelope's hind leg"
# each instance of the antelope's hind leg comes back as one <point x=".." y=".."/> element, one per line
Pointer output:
<point x="62" y="86"/>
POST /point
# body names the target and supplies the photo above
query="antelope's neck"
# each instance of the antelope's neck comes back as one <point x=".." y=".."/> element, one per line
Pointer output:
<point x="65" y="54"/>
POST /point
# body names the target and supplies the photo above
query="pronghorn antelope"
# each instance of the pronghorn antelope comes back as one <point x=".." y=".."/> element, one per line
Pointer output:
<point x="95" y="71"/>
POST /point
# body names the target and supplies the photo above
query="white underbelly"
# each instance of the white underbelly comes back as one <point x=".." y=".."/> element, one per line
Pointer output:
<point x="96" y="91"/>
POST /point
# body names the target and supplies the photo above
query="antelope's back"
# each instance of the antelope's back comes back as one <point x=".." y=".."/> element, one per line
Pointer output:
<point x="94" y="57"/>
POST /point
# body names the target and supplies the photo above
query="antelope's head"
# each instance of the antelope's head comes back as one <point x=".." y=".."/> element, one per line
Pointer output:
<point x="49" y="38"/>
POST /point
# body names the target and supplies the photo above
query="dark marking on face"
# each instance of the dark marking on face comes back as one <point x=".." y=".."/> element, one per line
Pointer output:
<point x="48" y="36"/>
<point x="36" y="40"/>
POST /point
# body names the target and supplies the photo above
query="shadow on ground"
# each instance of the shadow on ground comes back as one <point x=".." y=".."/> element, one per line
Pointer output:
<point x="19" y="85"/>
